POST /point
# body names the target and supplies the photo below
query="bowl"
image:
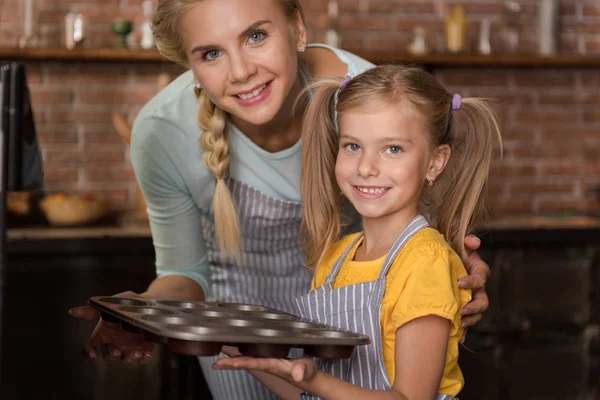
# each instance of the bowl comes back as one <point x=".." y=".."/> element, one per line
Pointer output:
<point x="62" y="210"/>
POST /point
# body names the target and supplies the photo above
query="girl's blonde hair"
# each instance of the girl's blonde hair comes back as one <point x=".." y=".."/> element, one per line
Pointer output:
<point x="212" y="119"/>
<point x="455" y="205"/>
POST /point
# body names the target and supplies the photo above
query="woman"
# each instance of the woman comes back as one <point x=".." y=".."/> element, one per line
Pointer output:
<point x="248" y="62"/>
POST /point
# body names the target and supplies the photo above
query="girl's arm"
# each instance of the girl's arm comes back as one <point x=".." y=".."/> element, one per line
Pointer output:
<point x="421" y="346"/>
<point x="420" y="357"/>
<point x="288" y="378"/>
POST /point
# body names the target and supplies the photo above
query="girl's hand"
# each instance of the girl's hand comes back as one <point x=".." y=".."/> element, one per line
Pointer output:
<point x="294" y="371"/>
<point x="479" y="272"/>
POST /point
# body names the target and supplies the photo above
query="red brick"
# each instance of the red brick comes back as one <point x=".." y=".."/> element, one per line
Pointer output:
<point x="343" y="5"/>
<point x="101" y="134"/>
<point x="589" y="79"/>
<point x="87" y="116"/>
<point x="86" y="75"/>
<point x="105" y="154"/>
<point x="353" y="41"/>
<point x="591" y="116"/>
<point x="580" y="27"/>
<point x="559" y="168"/>
<point x="54" y="96"/>
<point x="320" y="5"/>
<point x="592" y="45"/>
<point x="504" y="172"/>
<point x="591" y="167"/>
<point x="465" y="77"/>
<point x="57" y="134"/>
<point x="64" y="154"/>
<point x="567" y="205"/>
<point x="114" y="97"/>
<point x="359" y="22"/>
<point x="568" y="99"/>
<point x="316" y="20"/>
<point x="387" y="42"/>
<point x="591" y="10"/>
<point x="547" y="117"/>
<point x="545" y="78"/>
<point x="403" y="8"/>
<point x="569" y="44"/>
<point x="568" y="10"/>
<point x="512" y="206"/>
<point x="113" y="174"/>
<point x="60" y="175"/>
<point x="535" y="187"/>
<point x="9" y="35"/>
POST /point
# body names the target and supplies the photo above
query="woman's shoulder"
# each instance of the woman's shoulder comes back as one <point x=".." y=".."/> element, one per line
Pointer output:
<point x="327" y="61"/>
<point x="165" y="142"/>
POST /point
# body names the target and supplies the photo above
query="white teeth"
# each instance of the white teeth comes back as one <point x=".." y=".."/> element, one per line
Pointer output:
<point x="253" y="94"/>
<point x="371" y="190"/>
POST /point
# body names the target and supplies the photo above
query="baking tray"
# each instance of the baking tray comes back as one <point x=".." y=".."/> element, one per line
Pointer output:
<point x="201" y="328"/>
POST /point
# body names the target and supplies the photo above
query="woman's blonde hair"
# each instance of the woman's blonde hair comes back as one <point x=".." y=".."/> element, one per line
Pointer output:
<point x="212" y="119"/>
<point x="455" y="205"/>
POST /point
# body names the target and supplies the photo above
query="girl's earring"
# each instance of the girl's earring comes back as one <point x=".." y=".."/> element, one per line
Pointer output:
<point x="430" y="182"/>
<point x="302" y="47"/>
<point x="198" y="86"/>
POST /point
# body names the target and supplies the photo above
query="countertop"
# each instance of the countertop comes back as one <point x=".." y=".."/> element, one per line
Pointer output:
<point x="537" y="229"/>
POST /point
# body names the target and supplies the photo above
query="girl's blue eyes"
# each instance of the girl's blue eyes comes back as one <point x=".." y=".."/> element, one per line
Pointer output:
<point x="255" y="37"/>
<point x="389" y="150"/>
<point x="352" y="147"/>
<point x="394" y="149"/>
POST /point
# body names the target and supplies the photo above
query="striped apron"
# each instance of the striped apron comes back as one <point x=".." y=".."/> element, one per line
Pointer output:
<point x="357" y="308"/>
<point x="273" y="274"/>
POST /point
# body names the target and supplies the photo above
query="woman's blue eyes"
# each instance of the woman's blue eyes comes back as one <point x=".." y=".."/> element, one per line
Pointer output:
<point x="352" y="147"/>
<point x="211" y="55"/>
<point x="254" y="37"/>
<point x="257" y="36"/>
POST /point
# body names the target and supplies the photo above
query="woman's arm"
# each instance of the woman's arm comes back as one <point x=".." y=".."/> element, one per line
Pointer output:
<point x="479" y="272"/>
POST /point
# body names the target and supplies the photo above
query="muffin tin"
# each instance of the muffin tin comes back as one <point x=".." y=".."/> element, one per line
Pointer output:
<point x="202" y="328"/>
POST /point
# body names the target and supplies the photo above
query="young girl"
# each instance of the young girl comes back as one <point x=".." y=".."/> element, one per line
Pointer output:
<point x="414" y="161"/>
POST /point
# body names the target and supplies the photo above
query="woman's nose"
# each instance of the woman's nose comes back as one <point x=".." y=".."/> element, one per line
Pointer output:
<point x="241" y="68"/>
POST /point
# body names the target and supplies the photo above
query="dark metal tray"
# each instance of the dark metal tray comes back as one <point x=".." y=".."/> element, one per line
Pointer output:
<point x="202" y="328"/>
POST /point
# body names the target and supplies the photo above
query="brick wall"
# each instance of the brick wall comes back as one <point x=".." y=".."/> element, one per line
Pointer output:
<point x="550" y="117"/>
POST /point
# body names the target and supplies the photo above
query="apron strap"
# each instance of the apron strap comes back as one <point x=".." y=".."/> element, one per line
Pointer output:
<point x="419" y="222"/>
<point x="338" y="263"/>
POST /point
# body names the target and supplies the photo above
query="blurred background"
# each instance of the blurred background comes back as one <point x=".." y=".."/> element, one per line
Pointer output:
<point x="91" y="66"/>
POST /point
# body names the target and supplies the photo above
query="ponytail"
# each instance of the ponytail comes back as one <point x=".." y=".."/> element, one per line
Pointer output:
<point x="214" y="143"/>
<point x="460" y="197"/>
<point x="320" y="192"/>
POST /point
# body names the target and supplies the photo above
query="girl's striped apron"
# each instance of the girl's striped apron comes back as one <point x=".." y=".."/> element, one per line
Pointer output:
<point x="357" y="308"/>
<point x="273" y="274"/>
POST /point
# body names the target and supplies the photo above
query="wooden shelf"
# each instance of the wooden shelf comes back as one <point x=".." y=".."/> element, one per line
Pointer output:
<point x="100" y="54"/>
<point x="432" y="60"/>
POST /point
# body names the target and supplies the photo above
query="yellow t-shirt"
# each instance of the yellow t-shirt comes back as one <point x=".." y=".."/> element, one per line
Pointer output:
<point x="422" y="281"/>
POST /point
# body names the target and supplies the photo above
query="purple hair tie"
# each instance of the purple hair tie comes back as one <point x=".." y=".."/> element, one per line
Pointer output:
<point x="456" y="102"/>
<point x="345" y="82"/>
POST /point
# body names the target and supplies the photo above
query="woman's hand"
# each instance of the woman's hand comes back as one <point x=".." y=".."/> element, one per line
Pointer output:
<point x="479" y="272"/>
<point x="294" y="371"/>
<point x="110" y="340"/>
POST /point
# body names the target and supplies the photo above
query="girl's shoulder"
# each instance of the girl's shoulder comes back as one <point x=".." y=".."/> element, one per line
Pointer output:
<point x="426" y="248"/>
